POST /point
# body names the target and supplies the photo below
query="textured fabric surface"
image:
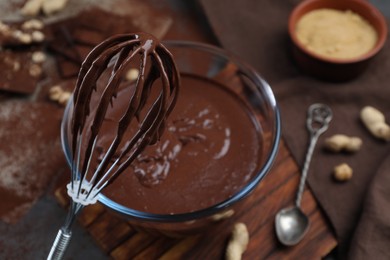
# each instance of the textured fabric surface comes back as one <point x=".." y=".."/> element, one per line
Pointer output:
<point x="256" y="31"/>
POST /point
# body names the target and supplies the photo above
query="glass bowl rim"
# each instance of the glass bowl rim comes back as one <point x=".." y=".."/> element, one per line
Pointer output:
<point x="209" y="211"/>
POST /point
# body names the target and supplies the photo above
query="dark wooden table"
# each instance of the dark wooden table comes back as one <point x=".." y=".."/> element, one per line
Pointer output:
<point x="118" y="239"/>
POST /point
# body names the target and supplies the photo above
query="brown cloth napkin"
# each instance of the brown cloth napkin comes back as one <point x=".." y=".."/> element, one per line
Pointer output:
<point x="374" y="226"/>
<point x="257" y="32"/>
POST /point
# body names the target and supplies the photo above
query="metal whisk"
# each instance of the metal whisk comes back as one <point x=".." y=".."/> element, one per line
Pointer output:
<point x="113" y="58"/>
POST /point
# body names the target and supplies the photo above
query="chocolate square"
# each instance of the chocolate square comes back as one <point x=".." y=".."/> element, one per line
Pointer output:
<point x="15" y="72"/>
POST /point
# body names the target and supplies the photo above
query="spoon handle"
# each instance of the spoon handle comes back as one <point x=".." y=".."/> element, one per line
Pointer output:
<point x="318" y="118"/>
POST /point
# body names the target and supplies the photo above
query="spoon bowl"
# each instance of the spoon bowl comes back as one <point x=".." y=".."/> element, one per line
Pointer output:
<point x="291" y="225"/>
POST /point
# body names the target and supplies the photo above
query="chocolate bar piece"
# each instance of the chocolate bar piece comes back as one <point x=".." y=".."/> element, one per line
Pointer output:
<point x="18" y="72"/>
<point x="22" y="34"/>
<point x="72" y="39"/>
<point x="44" y="92"/>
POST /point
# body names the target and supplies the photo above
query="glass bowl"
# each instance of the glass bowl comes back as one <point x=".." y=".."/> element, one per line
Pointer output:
<point x="208" y="62"/>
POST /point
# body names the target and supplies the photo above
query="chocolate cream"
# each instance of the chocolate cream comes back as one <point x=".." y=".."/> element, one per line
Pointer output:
<point x="210" y="149"/>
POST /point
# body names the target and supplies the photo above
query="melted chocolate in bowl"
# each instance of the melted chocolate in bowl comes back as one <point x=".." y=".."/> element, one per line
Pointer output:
<point x="219" y="142"/>
<point x="210" y="149"/>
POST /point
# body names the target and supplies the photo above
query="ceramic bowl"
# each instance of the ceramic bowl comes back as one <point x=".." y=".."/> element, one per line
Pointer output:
<point x="331" y="68"/>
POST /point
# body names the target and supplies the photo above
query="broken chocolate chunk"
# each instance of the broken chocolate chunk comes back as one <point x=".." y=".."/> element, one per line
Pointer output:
<point x="18" y="72"/>
<point x="72" y="39"/>
<point x="64" y="85"/>
<point x="22" y="34"/>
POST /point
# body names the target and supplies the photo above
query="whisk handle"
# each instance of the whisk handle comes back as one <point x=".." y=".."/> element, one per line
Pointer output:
<point x="60" y="244"/>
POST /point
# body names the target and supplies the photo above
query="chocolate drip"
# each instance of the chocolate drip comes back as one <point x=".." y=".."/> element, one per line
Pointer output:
<point x="124" y="50"/>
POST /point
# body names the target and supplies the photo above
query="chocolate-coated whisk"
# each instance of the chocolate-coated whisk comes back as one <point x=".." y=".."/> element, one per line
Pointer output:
<point x="118" y="53"/>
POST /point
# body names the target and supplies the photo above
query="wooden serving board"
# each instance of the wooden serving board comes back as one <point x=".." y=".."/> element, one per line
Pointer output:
<point x="118" y="239"/>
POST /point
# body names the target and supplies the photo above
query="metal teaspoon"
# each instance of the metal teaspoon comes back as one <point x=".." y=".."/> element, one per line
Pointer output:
<point x="291" y="223"/>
